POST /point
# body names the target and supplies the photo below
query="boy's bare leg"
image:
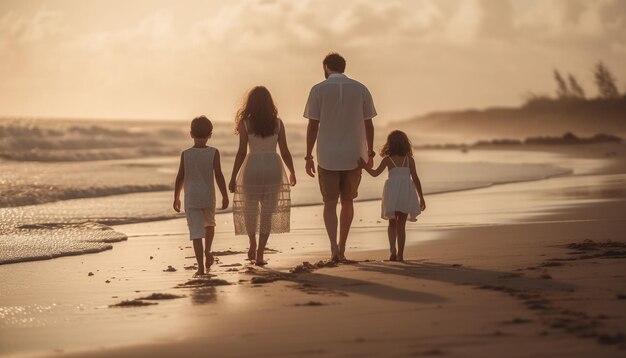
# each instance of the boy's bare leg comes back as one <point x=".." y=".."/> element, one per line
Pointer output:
<point x="345" y="222"/>
<point x="391" y="233"/>
<point x="401" y="233"/>
<point x="261" y="250"/>
<point x="197" y="248"/>
<point x="330" y="221"/>
<point x="210" y="233"/>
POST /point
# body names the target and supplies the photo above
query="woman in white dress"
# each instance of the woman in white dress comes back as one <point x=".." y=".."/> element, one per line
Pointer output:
<point x="400" y="194"/>
<point x="261" y="204"/>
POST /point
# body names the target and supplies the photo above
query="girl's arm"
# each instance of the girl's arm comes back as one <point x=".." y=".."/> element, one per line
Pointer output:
<point x="241" y="155"/>
<point x="178" y="186"/>
<point x="374" y="172"/>
<point x="285" y="154"/>
<point x="219" y="178"/>
<point x="417" y="182"/>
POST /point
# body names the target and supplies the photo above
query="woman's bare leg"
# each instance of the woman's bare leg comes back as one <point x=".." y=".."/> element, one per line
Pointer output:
<point x="261" y="249"/>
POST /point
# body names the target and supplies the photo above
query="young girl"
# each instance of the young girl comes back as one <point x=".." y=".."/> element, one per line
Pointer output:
<point x="262" y="200"/>
<point x="400" y="195"/>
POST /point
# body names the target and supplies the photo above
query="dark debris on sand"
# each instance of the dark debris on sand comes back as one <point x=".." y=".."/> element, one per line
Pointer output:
<point x="133" y="303"/>
<point x="203" y="282"/>
<point x="192" y="267"/>
<point x="307" y="267"/>
<point x="169" y="269"/>
<point x="227" y="253"/>
<point x="311" y="304"/>
<point x="232" y="265"/>
<point x="160" y="296"/>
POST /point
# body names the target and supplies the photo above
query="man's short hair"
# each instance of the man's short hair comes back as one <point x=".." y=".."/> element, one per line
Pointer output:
<point x="335" y="62"/>
<point x="201" y="127"/>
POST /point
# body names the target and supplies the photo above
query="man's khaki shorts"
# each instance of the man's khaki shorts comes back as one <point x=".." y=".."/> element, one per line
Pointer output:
<point x="339" y="183"/>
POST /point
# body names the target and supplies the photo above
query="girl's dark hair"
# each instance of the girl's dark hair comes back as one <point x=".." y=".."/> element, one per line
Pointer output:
<point x="260" y="113"/>
<point x="397" y="144"/>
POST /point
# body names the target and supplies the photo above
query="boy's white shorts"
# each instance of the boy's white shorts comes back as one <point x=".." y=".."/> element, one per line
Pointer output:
<point x="198" y="219"/>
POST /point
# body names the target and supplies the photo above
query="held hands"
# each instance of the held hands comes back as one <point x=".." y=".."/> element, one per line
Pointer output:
<point x="292" y="179"/>
<point x="310" y="167"/>
<point x="176" y="205"/>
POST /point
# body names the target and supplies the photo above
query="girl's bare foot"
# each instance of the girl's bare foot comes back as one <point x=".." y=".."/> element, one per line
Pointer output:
<point x="260" y="263"/>
<point x="198" y="274"/>
<point x="393" y="257"/>
<point x="400" y="258"/>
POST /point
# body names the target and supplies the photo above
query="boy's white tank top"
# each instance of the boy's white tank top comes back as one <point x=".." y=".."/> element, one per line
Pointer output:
<point x="199" y="183"/>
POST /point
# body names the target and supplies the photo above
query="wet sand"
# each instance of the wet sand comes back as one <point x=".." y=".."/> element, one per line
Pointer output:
<point x="488" y="273"/>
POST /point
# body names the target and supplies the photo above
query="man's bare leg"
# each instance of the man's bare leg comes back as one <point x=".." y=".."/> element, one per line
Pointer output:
<point x="330" y="221"/>
<point x="345" y="222"/>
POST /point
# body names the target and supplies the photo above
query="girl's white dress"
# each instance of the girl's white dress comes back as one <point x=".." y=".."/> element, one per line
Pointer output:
<point x="262" y="202"/>
<point x="399" y="193"/>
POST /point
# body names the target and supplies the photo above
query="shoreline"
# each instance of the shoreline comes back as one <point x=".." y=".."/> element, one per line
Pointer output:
<point x="113" y="222"/>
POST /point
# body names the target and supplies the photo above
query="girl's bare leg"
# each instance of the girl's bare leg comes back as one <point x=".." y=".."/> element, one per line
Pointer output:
<point x="210" y="232"/>
<point x="401" y="233"/>
<point x="197" y="248"/>
<point x="391" y="233"/>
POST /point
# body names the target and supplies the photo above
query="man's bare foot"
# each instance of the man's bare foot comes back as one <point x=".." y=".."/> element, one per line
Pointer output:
<point x="393" y="257"/>
<point x="199" y="274"/>
<point x="260" y="263"/>
<point x="400" y="258"/>
<point x="209" y="261"/>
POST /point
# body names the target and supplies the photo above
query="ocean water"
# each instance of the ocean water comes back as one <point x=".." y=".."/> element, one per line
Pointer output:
<point x="63" y="182"/>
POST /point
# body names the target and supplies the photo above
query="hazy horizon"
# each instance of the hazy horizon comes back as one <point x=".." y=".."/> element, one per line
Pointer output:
<point x="163" y="60"/>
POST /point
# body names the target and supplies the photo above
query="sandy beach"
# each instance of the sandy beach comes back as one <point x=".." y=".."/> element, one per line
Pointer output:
<point x="487" y="269"/>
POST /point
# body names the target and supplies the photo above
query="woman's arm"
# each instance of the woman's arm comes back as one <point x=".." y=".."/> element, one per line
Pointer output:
<point x="417" y="182"/>
<point x="178" y="185"/>
<point x="241" y="155"/>
<point x="285" y="154"/>
<point x="219" y="178"/>
<point x="374" y="172"/>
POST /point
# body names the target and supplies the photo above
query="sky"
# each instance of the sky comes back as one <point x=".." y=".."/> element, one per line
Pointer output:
<point x="157" y="59"/>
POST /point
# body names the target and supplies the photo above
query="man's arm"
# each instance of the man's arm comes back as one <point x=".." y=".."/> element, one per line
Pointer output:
<point x="369" y="135"/>
<point x="311" y="137"/>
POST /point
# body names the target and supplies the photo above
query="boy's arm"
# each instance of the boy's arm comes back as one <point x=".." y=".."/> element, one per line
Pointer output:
<point x="374" y="172"/>
<point x="178" y="185"/>
<point x="219" y="178"/>
<point x="417" y="182"/>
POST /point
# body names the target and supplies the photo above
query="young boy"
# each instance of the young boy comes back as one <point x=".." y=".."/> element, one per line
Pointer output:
<point x="199" y="165"/>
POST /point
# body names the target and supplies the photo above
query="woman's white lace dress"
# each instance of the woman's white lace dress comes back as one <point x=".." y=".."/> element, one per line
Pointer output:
<point x="262" y="202"/>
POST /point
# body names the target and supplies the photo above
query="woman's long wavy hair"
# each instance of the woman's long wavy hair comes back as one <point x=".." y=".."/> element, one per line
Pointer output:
<point x="260" y="113"/>
<point x="397" y="144"/>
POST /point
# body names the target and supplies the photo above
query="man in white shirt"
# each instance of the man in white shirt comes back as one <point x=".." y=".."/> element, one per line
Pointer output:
<point x="340" y="112"/>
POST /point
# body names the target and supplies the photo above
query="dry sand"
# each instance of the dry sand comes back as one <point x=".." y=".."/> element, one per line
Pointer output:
<point x="488" y="273"/>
